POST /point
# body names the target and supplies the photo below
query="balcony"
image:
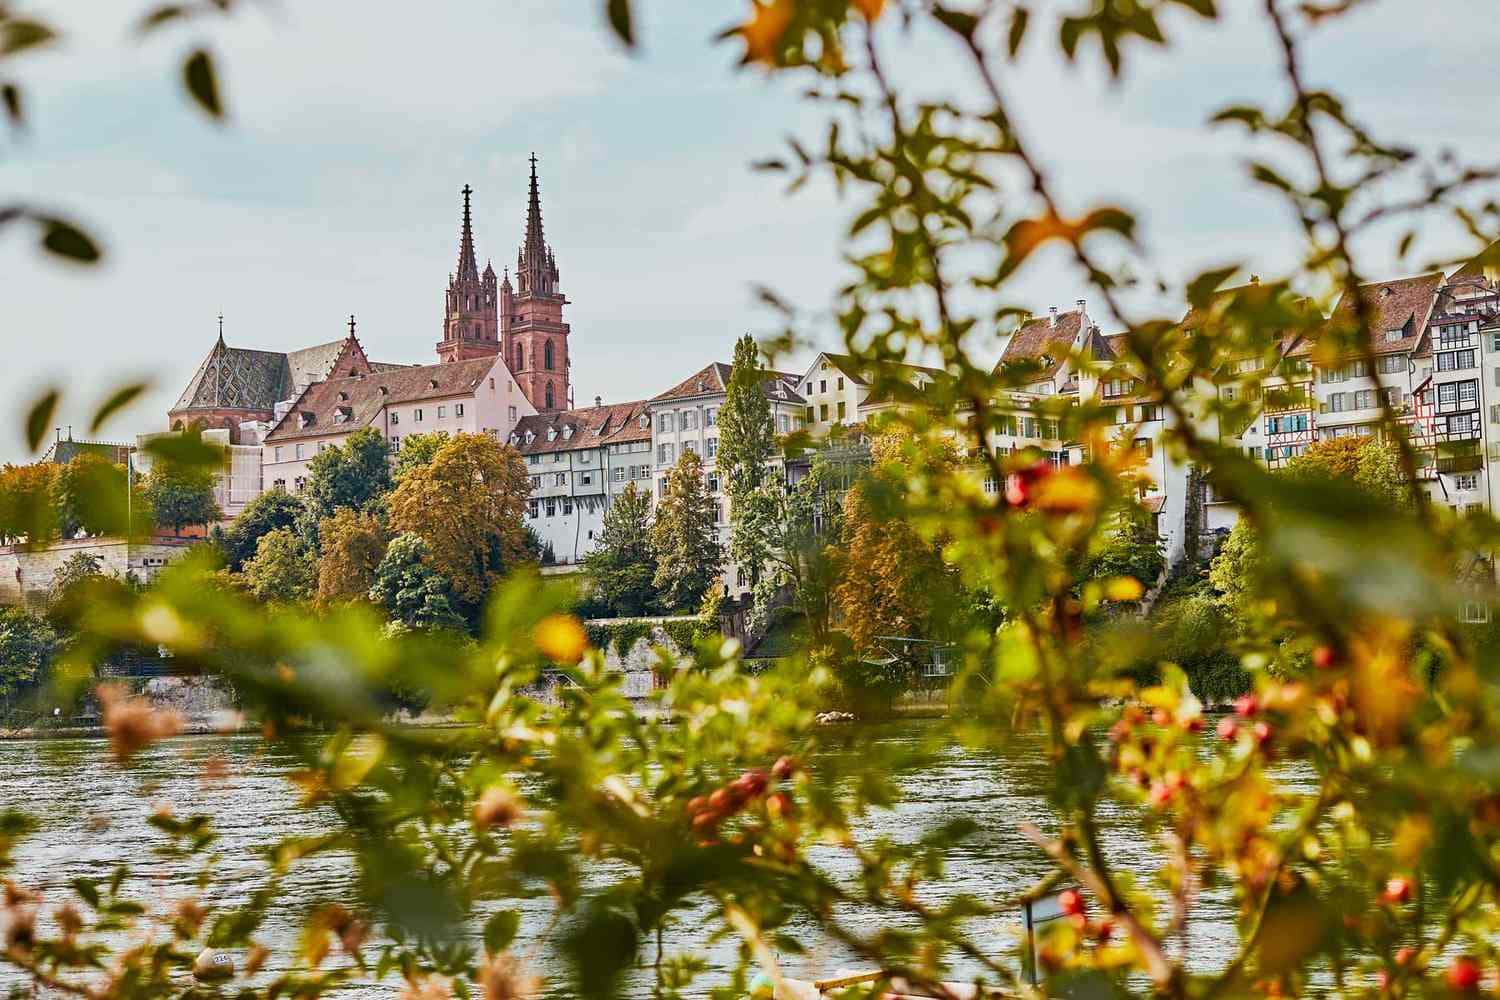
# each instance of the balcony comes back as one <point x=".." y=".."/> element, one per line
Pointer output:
<point x="1459" y="463"/>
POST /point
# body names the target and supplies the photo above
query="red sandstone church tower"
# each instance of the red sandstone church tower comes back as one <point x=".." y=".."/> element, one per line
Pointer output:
<point x="531" y="317"/>
<point x="471" y="328"/>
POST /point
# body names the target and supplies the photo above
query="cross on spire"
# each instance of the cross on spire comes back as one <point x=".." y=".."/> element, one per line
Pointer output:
<point x="351" y="324"/>
<point x="221" y="328"/>
<point x="467" y="267"/>
<point x="536" y="270"/>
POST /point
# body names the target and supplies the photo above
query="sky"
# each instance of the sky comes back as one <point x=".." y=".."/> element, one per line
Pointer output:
<point x="333" y="188"/>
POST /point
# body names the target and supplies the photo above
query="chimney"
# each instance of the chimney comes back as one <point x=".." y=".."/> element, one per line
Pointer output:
<point x="1054" y="315"/>
<point x="1254" y="279"/>
<point x="1082" y="308"/>
<point x="598" y="400"/>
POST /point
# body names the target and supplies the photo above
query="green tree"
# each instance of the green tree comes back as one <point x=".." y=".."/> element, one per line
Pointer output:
<point x="802" y="525"/>
<point x="747" y="442"/>
<point x="28" y="503"/>
<point x="28" y="644"/>
<point x="281" y="571"/>
<point x="1372" y="465"/>
<point x="77" y="569"/>
<point x="275" y="508"/>
<point x="621" y="568"/>
<point x="418" y="450"/>
<point x="467" y="505"/>
<point x="353" y="545"/>
<point x="685" y="538"/>
<point x="180" y="495"/>
<point x="412" y="592"/>
<point x="353" y="474"/>
<point x="90" y="496"/>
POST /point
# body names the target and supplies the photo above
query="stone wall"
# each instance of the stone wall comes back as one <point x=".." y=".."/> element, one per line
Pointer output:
<point x="27" y="575"/>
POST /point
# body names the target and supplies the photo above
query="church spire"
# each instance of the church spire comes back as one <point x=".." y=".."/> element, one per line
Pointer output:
<point x="467" y="266"/>
<point x="536" y="268"/>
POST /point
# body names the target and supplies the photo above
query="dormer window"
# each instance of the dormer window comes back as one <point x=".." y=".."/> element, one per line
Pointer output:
<point x="530" y="437"/>
<point x="1391" y="336"/>
<point x="645" y="421"/>
<point x="343" y="396"/>
<point x="551" y="433"/>
<point x="343" y="414"/>
<point x="384" y="390"/>
<point x="432" y="383"/>
<point x="568" y="432"/>
<point x="305" y="419"/>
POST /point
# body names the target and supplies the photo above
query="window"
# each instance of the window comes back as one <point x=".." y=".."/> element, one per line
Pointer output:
<point x="1150" y="411"/>
<point x="558" y="457"/>
<point x="822" y="411"/>
<point x="1336" y="403"/>
<point x="533" y="508"/>
<point x="1028" y="427"/>
<point x="713" y="447"/>
<point x="822" y="385"/>
<point x="587" y="479"/>
<point x="1455" y="361"/>
<point x="547" y="355"/>
<point x="299" y="452"/>
<point x="1359" y="369"/>
<point x="395" y="418"/>
<point x="688" y="446"/>
<point x="1364" y="399"/>
<point x="512" y="414"/>
<point x="536" y="482"/>
<point x="442" y="412"/>
<point x="1143" y="445"/>
<point x="1118" y="386"/>
<point x="783" y="422"/>
<point x="811" y="416"/>
<point x="1391" y="364"/>
<point x="1468" y="393"/>
<point x="661" y="485"/>
<point x="533" y="460"/>
<point x="664" y="454"/>
<point x="1452" y="336"/>
<point x="617" y="474"/>
<point x="841" y="409"/>
<point x="278" y="453"/>
<point x="1466" y="482"/>
<point x="1448" y="394"/>
<point x="710" y="417"/>
<point x="689" y="420"/>
<point x="807" y="389"/>
<point x="458" y="409"/>
<point x="1391" y="336"/>
<point x="567" y="505"/>
<point x="841" y="383"/>
<point x="713" y="483"/>
<point x="1391" y="395"/>
<point x="1463" y="424"/>
<point x="549" y="396"/>
<point x="395" y="443"/>
<point x="664" y="422"/>
<point x="416" y="416"/>
<point x="551" y="508"/>
<point x="561" y="479"/>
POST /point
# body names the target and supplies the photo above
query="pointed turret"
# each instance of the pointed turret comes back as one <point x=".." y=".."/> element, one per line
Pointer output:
<point x="470" y="327"/>
<point x="536" y="267"/>
<point x="467" y="268"/>
<point x="532" y="324"/>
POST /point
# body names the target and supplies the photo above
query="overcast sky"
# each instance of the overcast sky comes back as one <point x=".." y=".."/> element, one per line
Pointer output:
<point x="334" y="187"/>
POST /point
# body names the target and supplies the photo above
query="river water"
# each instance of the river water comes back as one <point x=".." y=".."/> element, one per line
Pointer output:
<point x="94" y="815"/>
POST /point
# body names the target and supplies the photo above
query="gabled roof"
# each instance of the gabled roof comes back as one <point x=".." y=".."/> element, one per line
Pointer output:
<point x="1404" y="304"/>
<point x="237" y="378"/>
<point x="1044" y="338"/>
<point x="347" y="403"/>
<point x="713" y="380"/>
<point x="318" y="361"/>
<point x="591" y="427"/>
<point x="1487" y="260"/>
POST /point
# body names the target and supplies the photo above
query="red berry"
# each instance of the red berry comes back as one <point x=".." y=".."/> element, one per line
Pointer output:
<point x="780" y="804"/>
<point x="1382" y="979"/>
<point x="750" y="784"/>
<point x="705" y="823"/>
<point x="1119" y="731"/>
<point x="1071" y="902"/>
<point x="1246" y="705"/>
<point x="1228" y="728"/>
<point x="697" y="804"/>
<point x="1105" y="930"/>
<point x="1160" y="794"/>
<point x="784" y="767"/>
<point x="1161" y="717"/>
<point x="1262" y="733"/>
<point x="1405" y="955"/>
<point x="1397" y="890"/>
<point x="1193" y="725"/>
<point x="1176" y="780"/>
<point x="1463" y="974"/>
<point x="1323" y="657"/>
<point x="721" y="801"/>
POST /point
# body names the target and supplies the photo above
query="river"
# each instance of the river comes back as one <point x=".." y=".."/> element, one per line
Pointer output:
<point x="94" y="816"/>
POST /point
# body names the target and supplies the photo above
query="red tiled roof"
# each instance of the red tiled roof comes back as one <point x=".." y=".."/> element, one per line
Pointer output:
<point x="1040" y="337"/>
<point x="591" y="427"/>
<point x="714" y="380"/>
<point x="361" y="397"/>
<point x="1404" y="304"/>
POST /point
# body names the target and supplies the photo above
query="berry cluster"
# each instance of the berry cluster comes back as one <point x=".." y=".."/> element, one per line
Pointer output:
<point x="708" y="812"/>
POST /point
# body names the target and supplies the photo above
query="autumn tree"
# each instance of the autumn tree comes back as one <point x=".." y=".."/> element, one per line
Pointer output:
<point x="747" y="442"/>
<point x="418" y="450"/>
<point x="90" y="490"/>
<point x="353" y="545"/>
<point x="275" y="508"/>
<point x="27" y="503"/>
<point x="801" y="525"/>
<point x="685" y="538"/>
<point x="281" y="571"/>
<point x="410" y="590"/>
<point x="467" y="505"/>
<point x="1368" y="463"/>
<point x="621" y="568"/>
<point x="181" y="495"/>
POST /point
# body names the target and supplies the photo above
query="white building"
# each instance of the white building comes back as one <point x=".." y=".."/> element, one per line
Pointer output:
<point x="477" y="396"/>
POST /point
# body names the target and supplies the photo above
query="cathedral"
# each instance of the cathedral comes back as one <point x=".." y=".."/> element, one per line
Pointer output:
<point x="248" y="393"/>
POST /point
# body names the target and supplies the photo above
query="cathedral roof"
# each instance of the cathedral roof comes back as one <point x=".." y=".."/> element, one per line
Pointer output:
<point x="236" y="378"/>
<point x="347" y="403"/>
<point x="314" y="362"/>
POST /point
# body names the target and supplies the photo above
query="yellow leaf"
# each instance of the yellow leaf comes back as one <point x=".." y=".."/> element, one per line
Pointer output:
<point x="1123" y="588"/>
<point x="870" y="8"/>
<point x="762" y="33"/>
<point x="561" y="638"/>
<point x="362" y="754"/>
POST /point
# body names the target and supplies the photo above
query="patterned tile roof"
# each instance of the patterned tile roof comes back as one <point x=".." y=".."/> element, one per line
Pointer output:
<point x="591" y="427"/>
<point x="348" y="403"/>
<point x="239" y="379"/>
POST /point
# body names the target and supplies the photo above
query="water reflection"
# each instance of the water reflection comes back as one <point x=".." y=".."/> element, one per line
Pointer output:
<point x="94" y="817"/>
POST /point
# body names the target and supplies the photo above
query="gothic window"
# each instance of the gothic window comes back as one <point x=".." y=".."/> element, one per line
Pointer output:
<point x="549" y="395"/>
<point x="547" y="357"/>
<point x="520" y="357"/>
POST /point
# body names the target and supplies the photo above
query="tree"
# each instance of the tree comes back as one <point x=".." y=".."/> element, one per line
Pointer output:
<point x="418" y="450"/>
<point x="1131" y="548"/>
<point x="747" y="441"/>
<point x="802" y="526"/>
<point x="467" y="505"/>
<point x="353" y="544"/>
<point x="28" y="644"/>
<point x="180" y="495"/>
<point x="894" y="581"/>
<point x="28" y="503"/>
<point x="351" y="475"/>
<point x="281" y="571"/>
<point x="621" y="568"/>
<point x="91" y="496"/>
<point x="410" y="590"/>
<point x="1372" y="465"/>
<point x="685" y="538"/>
<point x="77" y="569"/>
<point x="275" y="508"/>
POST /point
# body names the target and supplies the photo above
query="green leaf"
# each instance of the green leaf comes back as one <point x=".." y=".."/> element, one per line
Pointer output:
<point x="500" y="931"/>
<point x="620" y="20"/>
<point x="198" y="76"/>
<point x="18" y="35"/>
<point x="1202" y="288"/>
<point x="158" y="16"/>
<point x="39" y="417"/>
<point x="960" y="22"/>
<point x="1018" y="22"/>
<point x="185" y="449"/>
<point x="10" y="95"/>
<point x="1203" y="8"/>
<point x="115" y="403"/>
<point x="87" y="891"/>
<point x="64" y="239"/>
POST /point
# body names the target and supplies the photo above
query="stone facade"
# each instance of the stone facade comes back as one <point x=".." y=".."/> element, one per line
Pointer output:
<point x="26" y="576"/>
